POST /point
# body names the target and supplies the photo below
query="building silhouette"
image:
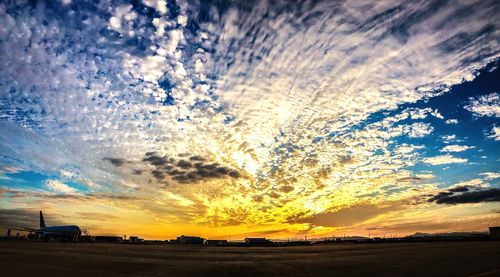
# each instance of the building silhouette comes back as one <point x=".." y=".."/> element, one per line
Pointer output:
<point x="495" y="233"/>
<point x="257" y="241"/>
<point x="190" y="240"/>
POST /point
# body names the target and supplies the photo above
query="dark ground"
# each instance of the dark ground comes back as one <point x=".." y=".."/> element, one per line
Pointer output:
<point x="22" y="258"/>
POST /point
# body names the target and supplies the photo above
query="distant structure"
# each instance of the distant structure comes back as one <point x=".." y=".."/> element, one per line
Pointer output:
<point x="257" y="241"/>
<point x="135" y="239"/>
<point x="190" y="240"/>
<point x="495" y="233"/>
<point x="216" y="242"/>
<point x="108" y="239"/>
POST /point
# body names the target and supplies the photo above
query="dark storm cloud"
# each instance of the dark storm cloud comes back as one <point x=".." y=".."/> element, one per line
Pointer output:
<point x="459" y="189"/>
<point x="205" y="171"/>
<point x="156" y="160"/>
<point x="174" y="172"/>
<point x="184" y="164"/>
<point x="197" y="158"/>
<point x="187" y="170"/>
<point x="462" y="195"/>
<point x="158" y="174"/>
<point x="215" y="170"/>
<point x="115" y="161"/>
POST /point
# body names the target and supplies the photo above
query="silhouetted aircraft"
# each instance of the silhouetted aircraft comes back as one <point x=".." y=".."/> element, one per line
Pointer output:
<point x="69" y="232"/>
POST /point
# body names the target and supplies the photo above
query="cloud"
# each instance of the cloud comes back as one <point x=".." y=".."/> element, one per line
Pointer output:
<point x="449" y="138"/>
<point x="409" y="179"/>
<point x="486" y="105"/>
<point x="137" y="171"/>
<point x="451" y="121"/>
<point x="68" y="174"/>
<point x="421" y="113"/>
<point x="122" y="20"/>
<point x="159" y="5"/>
<point x="490" y="175"/>
<point x="462" y="195"/>
<point x="25" y="218"/>
<point x="60" y="187"/>
<point x="419" y="130"/>
<point x="10" y="169"/>
<point x="417" y="178"/>
<point x="115" y="161"/>
<point x="418" y="113"/>
<point x="156" y="160"/>
<point x="425" y="176"/>
<point x="474" y="183"/>
<point x="443" y="159"/>
<point x="348" y="216"/>
<point x="184" y="164"/>
<point x="187" y="170"/>
<point x="23" y="194"/>
<point x="96" y="216"/>
<point x="456" y="148"/>
<point x="495" y="133"/>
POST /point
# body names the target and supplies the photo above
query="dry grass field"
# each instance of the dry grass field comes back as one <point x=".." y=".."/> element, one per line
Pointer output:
<point x="19" y="258"/>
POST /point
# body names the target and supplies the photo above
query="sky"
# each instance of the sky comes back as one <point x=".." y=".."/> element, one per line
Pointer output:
<point x="229" y="119"/>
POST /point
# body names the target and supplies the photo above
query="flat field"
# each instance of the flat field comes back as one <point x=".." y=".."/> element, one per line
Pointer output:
<point x="24" y="258"/>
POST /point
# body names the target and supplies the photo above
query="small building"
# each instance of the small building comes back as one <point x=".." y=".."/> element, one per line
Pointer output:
<point x="135" y="239"/>
<point x="216" y="242"/>
<point x="190" y="240"/>
<point x="257" y="241"/>
<point x="495" y="233"/>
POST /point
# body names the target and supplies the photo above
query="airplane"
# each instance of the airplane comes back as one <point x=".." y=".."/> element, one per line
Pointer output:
<point x="69" y="232"/>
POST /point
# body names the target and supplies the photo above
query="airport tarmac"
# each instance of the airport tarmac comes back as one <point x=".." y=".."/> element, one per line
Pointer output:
<point x="24" y="258"/>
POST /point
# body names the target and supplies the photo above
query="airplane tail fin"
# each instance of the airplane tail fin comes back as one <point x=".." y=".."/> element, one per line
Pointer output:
<point x="42" y="222"/>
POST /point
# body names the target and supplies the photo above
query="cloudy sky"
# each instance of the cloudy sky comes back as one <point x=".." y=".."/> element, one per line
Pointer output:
<point x="238" y="118"/>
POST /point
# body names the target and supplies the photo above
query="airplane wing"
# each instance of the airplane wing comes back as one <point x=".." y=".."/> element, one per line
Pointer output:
<point x="25" y="229"/>
<point x="33" y="230"/>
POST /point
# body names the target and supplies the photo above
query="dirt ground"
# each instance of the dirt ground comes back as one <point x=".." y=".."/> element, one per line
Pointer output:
<point x="22" y="258"/>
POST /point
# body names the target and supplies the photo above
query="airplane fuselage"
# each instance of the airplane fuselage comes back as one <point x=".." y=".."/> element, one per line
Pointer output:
<point x="69" y="232"/>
